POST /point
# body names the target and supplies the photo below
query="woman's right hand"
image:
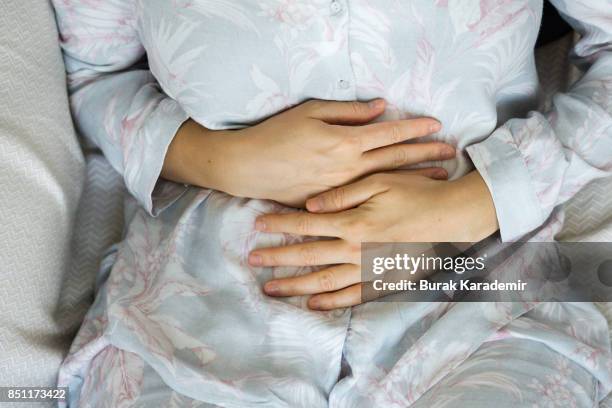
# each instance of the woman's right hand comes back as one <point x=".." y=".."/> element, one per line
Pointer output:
<point x="301" y="152"/>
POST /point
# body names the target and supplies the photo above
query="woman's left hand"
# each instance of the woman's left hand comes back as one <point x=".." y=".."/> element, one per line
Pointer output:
<point x="385" y="207"/>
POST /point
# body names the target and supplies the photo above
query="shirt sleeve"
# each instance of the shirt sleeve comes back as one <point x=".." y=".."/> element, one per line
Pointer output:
<point x="116" y="105"/>
<point x="533" y="165"/>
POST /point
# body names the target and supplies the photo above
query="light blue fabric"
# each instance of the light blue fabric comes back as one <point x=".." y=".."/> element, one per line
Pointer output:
<point x="180" y="301"/>
<point x="228" y="64"/>
<point x="199" y="319"/>
<point x="488" y="377"/>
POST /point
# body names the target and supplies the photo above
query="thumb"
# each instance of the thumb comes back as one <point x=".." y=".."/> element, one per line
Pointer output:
<point x="345" y="113"/>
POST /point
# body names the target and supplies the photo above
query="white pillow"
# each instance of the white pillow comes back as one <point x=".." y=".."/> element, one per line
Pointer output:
<point x="41" y="177"/>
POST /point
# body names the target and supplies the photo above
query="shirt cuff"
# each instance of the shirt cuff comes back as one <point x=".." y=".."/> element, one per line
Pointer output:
<point x="143" y="171"/>
<point x="501" y="165"/>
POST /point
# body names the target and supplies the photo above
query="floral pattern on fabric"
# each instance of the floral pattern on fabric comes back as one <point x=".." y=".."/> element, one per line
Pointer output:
<point x="180" y="301"/>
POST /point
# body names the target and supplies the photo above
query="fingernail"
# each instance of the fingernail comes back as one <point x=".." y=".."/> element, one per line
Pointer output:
<point x="376" y="104"/>
<point x="448" y="152"/>
<point x="435" y="127"/>
<point x="441" y="175"/>
<point x="272" y="288"/>
<point x="260" y="225"/>
<point x="313" y="205"/>
<point x="255" y="259"/>
<point x="314" y="303"/>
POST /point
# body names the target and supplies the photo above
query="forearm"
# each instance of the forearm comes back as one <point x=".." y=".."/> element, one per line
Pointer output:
<point x="201" y="157"/>
<point x="471" y="197"/>
<point x="300" y="152"/>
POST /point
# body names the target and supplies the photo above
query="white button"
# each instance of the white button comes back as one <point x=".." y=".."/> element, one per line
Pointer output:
<point x="344" y="84"/>
<point x="335" y="7"/>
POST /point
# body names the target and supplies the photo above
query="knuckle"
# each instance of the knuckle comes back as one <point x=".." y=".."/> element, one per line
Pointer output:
<point x="353" y="171"/>
<point x="346" y="226"/>
<point x="359" y="230"/>
<point x="356" y="108"/>
<point x="354" y="142"/>
<point x="355" y="251"/>
<point x="333" y="302"/>
<point x="317" y="129"/>
<point x="327" y="281"/>
<point x="352" y="249"/>
<point x="313" y="106"/>
<point x="419" y="126"/>
<point x="335" y="179"/>
<point x="445" y="151"/>
<point x="270" y="258"/>
<point x="363" y="231"/>
<point x="337" y="198"/>
<point x="400" y="157"/>
<point x="435" y="152"/>
<point x="378" y="180"/>
<point x="304" y="224"/>
<point x="395" y="133"/>
<point x="308" y="255"/>
<point x="356" y="230"/>
<point x="426" y="127"/>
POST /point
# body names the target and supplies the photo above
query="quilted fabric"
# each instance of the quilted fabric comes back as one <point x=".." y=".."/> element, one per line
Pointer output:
<point x="588" y="214"/>
<point x="41" y="177"/>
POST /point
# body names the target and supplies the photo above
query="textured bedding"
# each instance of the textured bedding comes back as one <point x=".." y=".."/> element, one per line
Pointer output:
<point x="41" y="177"/>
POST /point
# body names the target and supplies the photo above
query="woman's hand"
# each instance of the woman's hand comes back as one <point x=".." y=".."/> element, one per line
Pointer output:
<point x="387" y="207"/>
<point x="302" y="152"/>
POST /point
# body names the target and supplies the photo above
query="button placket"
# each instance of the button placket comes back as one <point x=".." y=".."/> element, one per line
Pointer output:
<point x="344" y="84"/>
<point x="344" y="87"/>
<point x="335" y="7"/>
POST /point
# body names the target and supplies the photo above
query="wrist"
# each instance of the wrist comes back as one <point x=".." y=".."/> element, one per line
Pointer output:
<point x="476" y="210"/>
<point x="200" y="157"/>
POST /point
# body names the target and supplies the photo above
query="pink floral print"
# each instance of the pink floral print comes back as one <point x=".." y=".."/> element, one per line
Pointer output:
<point x="181" y="309"/>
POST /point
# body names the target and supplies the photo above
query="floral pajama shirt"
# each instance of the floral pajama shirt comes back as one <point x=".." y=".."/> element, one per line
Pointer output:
<point x="179" y="317"/>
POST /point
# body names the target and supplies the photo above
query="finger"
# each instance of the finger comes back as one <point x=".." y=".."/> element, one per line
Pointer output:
<point x="417" y="172"/>
<point x="300" y="223"/>
<point x="327" y="280"/>
<point x="436" y="173"/>
<point x="304" y="254"/>
<point x="345" y="197"/>
<point x="345" y="113"/>
<point x="346" y="297"/>
<point x="383" y="134"/>
<point x="392" y="157"/>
